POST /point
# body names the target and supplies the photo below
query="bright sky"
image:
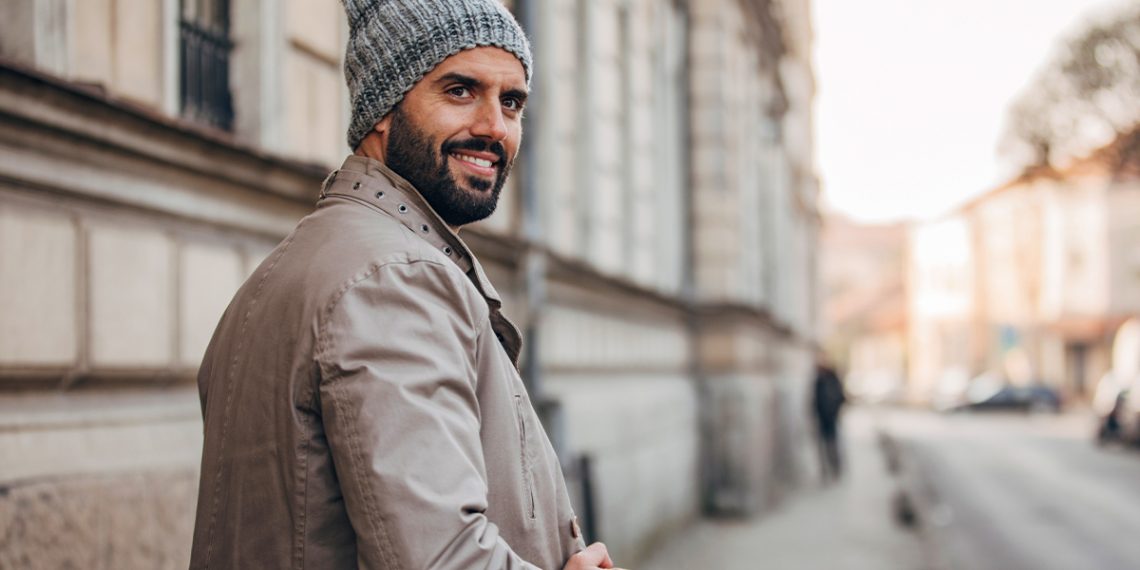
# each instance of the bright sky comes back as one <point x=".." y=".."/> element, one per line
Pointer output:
<point x="912" y="95"/>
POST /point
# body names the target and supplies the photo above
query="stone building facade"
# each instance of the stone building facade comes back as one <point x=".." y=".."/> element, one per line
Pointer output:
<point x="1031" y="279"/>
<point x="656" y="244"/>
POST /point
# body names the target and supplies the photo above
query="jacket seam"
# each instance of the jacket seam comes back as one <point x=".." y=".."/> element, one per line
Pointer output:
<point x="230" y="392"/>
<point x="375" y="519"/>
<point x="323" y="344"/>
<point x="303" y="486"/>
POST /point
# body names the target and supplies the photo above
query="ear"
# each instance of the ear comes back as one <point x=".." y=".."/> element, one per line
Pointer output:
<point x="375" y="143"/>
<point x="383" y="125"/>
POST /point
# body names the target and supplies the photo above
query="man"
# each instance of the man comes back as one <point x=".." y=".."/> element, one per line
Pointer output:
<point x="828" y="399"/>
<point x="361" y="397"/>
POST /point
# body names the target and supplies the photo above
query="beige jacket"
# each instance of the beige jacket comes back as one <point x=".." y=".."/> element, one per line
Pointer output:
<point x="363" y="407"/>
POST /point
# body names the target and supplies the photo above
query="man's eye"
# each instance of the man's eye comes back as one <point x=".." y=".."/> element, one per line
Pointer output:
<point x="458" y="91"/>
<point x="512" y="104"/>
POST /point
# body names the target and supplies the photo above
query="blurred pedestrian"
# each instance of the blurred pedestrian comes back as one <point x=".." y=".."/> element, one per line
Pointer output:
<point x="361" y="396"/>
<point x="828" y="398"/>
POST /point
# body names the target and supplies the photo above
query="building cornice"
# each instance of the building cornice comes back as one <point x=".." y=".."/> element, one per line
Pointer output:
<point x="88" y="113"/>
<point x="52" y="118"/>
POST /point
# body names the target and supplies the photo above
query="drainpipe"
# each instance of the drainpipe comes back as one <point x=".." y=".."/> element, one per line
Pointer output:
<point x="534" y="150"/>
<point x="706" y="434"/>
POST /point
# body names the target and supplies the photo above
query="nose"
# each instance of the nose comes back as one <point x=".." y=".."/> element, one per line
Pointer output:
<point x="489" y="121"/>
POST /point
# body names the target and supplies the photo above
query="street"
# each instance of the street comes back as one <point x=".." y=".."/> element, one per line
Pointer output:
<point x="990" y="492"/>
<point x="1019" y="491"/>
<point x="846" y="526"/>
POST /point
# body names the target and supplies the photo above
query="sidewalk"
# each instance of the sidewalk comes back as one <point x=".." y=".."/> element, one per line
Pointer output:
<point x="849" y="525"/>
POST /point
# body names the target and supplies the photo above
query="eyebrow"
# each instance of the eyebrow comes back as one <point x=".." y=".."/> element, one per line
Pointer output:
<point x="468" y="81"/>
<point x="517" y="94"/>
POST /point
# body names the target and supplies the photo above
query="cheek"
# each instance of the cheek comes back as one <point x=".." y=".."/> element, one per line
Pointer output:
<point x="513" y="142"/>
<point x="440" y="125"/>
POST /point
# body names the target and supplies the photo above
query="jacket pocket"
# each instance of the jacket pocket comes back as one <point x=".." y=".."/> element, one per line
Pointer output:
<point x="524" y="456"/>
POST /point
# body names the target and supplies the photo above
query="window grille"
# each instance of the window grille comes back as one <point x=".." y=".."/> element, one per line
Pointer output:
<point x="206" y="47"/>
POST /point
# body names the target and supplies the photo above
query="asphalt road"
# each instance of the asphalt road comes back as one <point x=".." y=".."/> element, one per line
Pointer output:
<point x="1021" y="491"/>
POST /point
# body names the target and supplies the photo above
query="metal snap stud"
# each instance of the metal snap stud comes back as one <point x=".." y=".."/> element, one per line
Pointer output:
<point x="447" y="250"/>
<point x="356" y="186"/>
<point x="403" y="209"/>
<point x="424" y="228"/>
<point x="380" y="194"/>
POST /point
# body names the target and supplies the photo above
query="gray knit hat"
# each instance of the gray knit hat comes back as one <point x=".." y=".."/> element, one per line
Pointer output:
<point x="392" y="44"/>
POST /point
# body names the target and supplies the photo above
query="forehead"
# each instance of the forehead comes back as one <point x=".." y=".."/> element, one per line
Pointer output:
<point x="485" y="63"/>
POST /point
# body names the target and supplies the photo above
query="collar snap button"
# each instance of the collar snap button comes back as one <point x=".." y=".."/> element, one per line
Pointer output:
<point x="356" y="186"/>
<point x="403" y="209"/>
<point x="380" y="194"/>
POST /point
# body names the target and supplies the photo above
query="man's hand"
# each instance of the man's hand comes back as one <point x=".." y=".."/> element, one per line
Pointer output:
<point x="593" y="557"/>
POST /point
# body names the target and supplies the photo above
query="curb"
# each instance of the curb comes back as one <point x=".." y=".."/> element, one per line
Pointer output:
<point x="915" y="503"/>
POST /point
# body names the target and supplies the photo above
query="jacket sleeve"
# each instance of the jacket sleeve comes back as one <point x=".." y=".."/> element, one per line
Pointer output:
<point x="397" y="396"/>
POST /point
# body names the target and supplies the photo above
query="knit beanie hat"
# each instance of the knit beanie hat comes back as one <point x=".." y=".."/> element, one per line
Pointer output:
<point x="392" y="44"/>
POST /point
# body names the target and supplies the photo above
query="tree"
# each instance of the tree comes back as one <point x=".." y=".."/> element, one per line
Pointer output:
<point x="1087" y="95"/>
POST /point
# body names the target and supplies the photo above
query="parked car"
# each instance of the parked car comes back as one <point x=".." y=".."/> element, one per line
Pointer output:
<point x="991" y="391"/>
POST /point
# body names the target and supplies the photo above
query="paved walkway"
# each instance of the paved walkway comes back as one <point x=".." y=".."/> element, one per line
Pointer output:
<point x="844" y="526"/>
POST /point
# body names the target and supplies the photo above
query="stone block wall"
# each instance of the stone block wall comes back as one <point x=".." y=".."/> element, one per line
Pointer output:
<point x="83" y="521"/>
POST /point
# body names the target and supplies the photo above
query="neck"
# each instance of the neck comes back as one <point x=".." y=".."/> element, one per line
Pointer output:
<point x="371" y="147"/>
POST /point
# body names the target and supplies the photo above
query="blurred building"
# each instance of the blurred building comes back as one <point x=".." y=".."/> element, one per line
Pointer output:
<point x="864" y="305"/>
<point x="940" y="301"/>
<point x="657" y="244"/>
<point x="1034" y="278"/>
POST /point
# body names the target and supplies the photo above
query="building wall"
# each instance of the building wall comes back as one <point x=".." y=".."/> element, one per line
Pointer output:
<point x="1075" y="239"/>
<point x="1123" y="220"/>
<point x="941" y="299"/>
<point x="656" y="243"/>
<point x="1057" y="256"/>
<point x="124" y="235"/>
<point x="122" y="241"/>
<point x="608" y="120"/>
<point x="1053" y="271"/>
<point x="753" y="249"/>
<point x="609" y="87"/>
<point x="877" y="365"/>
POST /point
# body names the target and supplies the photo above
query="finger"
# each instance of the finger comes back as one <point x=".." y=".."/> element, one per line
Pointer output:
<point x="596" y="555"/>
<point x="606" y="562"/>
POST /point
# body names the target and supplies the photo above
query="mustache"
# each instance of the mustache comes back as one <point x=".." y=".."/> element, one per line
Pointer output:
<point x="478" y="145"/>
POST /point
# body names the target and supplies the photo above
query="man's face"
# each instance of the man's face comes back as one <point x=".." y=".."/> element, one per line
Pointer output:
<point x="456" y="133"/>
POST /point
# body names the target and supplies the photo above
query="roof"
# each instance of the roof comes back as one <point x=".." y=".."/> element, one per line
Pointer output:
<point x="1119" y="159"/>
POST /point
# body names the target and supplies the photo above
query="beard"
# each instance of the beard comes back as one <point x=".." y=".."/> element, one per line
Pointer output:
<point x="413" y="156"/>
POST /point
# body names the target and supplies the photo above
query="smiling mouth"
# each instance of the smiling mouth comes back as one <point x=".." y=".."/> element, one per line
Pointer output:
<point x="475" y="165"/>
<point x="480" y="162"/>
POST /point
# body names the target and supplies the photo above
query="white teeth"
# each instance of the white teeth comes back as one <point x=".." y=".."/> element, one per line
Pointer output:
<point x="476" y="161"/>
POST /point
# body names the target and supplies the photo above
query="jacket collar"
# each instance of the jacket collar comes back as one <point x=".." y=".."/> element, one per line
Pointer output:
<point x="368" y="180"/>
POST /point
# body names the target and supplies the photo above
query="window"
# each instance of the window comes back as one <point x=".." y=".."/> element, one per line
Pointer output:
<point x="206" y="47"/>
